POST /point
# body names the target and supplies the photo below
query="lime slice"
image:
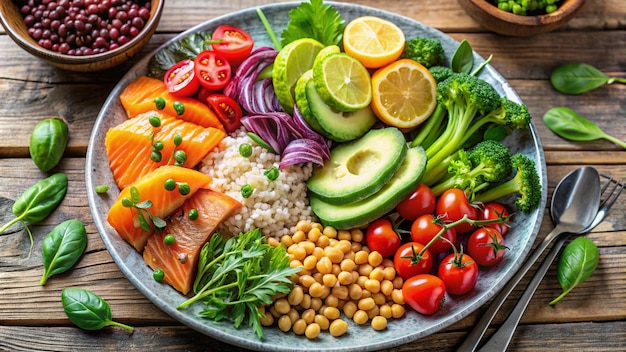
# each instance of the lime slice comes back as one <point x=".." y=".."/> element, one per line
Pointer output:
<point x="331" y="49"/>
<point x="343" y="82"/>
<point x="293" y="61"/>
<point x="303" y="103"/>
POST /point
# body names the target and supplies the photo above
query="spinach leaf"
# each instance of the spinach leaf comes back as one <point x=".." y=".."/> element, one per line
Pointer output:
<point x="62" y="248"/>
<point x="568" y="124"/>
<point x="88" y="310"/>
<point x="187" y="48"/>
<point x="578" y="261"/>
<point x="463" y="58"/>
<point x="47" y="143"/>
<point x="578" y="78"/>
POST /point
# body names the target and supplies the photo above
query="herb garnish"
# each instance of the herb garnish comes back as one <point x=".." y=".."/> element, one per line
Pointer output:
<point x="314" y="20"/>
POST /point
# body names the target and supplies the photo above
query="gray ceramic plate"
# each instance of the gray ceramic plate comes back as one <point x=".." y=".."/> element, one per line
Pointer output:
<point x="413" y="326"/>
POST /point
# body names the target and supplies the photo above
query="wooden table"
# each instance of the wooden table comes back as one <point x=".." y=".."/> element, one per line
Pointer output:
<point x="591" y="318"/>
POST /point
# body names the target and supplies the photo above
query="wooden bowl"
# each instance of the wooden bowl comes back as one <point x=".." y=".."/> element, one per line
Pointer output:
<point x="13" y="23"/>
<point x="499" y="21"/>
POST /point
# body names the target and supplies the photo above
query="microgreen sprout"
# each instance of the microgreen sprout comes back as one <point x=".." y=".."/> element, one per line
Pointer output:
<point x="142" y="210"/>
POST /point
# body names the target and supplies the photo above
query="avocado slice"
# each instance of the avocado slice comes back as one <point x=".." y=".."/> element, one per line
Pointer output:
<point x="349" y="216"/>
<point x="358" y="169"/>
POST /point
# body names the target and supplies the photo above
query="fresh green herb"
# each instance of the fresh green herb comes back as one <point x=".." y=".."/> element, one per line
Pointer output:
<point x="88" y="310"/>
<point x="62" y="248"/>
<point x="577" y="263"/>
<point x="37" y="202"/>
<point x="245" y="149"/>
<point x="47" y="143"/>
<point x="179" y="108"/>
<point x="142" y="210"/>
<point x="187" y="48"/>
<point x="568" y="124"/>
<point x="159" y="103"/>
<point x="158" y="275"/>
<point x="193" y="214"/>
<point x="239" y="274"/>
<point x="315" y="20"/>
<point x="246" y="190"/>
<point x="258" y="140"/>
<point x="272" y="173"/>
<point x="170" y="184"/>
<point x="578" y="78"/>
<point x="100" y="189"/>
<point x="169" y="239"/>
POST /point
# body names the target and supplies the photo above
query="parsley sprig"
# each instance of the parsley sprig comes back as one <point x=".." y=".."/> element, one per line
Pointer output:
<point x="237" y="275"/>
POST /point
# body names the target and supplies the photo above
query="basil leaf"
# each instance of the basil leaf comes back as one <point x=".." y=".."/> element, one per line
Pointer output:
<point x="62" y="248"/>
<point x="577" y="78"/>
<point x="578" y="261"/>
<point x="88" y="310"/>
<point x="568" y="124"/>
<point x="47" y="143"/>
<point x="463" y="58"/>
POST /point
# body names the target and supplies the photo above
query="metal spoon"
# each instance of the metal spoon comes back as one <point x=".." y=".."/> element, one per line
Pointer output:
<point x="574" y="205"/>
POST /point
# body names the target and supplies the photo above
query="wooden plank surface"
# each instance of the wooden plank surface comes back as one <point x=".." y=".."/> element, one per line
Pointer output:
<point x="592" y="318"/>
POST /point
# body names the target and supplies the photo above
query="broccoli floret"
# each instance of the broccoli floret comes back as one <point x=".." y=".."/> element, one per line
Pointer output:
<point x="525" y="182"/>
<point x="440" y="73"/>
<point x="489" y="162"/>
<point x="426" y="51"/>
<point x="510" y="115"/>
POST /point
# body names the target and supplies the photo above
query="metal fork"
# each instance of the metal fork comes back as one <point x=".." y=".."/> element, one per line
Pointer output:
<point x="500" y="340"/>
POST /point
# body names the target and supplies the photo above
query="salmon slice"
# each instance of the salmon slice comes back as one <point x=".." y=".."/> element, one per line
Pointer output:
<point x="139" y="97"/>
<point x="125" y="220"/>
<point x="129" y="145"/>
<point x="179" y="261"/>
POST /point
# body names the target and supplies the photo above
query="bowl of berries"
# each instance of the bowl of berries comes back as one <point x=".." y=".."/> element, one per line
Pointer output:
<point x="521" y="18"/>
<point x="81" y="35"/>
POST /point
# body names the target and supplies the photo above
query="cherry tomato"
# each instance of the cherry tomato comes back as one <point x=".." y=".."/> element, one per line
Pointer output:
<point x="425" y="293"/>
<point x="493" y="211"/>
<point x="426" y="227"/>
<point x="452" y="205"/>
<point x="235" y="46"/>
<point x="181" y="80"/>
<point x="486" y="246"/>
<point x="421" y="201"/>
<point x="227" y="110"/>
<point x="204" y="93"/>
<point x="408" y="262"/>
<point x="213" y="70"/>
<point x="381" y="237"/>
<point x="459" y="272"/>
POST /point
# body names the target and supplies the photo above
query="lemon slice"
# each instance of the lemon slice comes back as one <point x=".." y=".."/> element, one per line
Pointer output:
<point x="404" y="94"/>
<point x="342" y="82"/>
<point x="374" y="41"/>
<point x="293" y="61"/>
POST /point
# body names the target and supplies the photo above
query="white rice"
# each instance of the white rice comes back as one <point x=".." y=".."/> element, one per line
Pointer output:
<point x="275" y="206"/>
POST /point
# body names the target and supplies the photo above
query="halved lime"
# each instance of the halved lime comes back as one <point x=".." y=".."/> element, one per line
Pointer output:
<point x="343" y="82"/>
<point x="293" y="61"/>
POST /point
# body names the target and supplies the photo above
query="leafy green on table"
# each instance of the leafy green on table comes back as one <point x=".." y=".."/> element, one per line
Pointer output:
<point x="568" y="124"/>
<point x="62" y="248"/>
<point x="239" y="274"/>
<point x="577" y="263"/>
<point x="578" y="78"/>
<point x="37" y="202"/>
<point x="316" y="20"/>
<point x="88" y="310"/>
<point x="186" y="48"/>
<point x="47" y="143"/>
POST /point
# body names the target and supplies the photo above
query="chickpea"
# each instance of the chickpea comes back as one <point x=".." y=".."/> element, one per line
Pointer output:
<point x="347" y="265"/>
<point x="389" y="273"/>
<point x="324" y="265"/>
<point x="349" y="309"/>
<point x="330" y="232"/>
<point x="336" y="269"/>
<point x="309" y="262"/>
<point x="338" y="327"/>
<point x="397" y="311"/>
<point x="312" y="330"/>
<point x="377" y="274"/>
<point x="344" y="278"/>
<point x="293" y="315"/>
<point x="273" y="242"/>
<point x="373" y="312"/>
<point x="298" y="252"/>
<point x="386" y="287"/>
<point x="344" y="245"/>
<point x="323" y="241"/>
<point x="298" y="236"/>
<point x="397" y="297"/>
<point x="375" y="259"/>
<point x="284" y="323"/>
<point x="316" y="303"/>
<point x="331" y="301"/>
<point x="372" y="285"/>
<point x="307" y="280"/>
<point x="334" y="254"/>
<point x="329" y="280"/>
<point x="304" y="226"/>
<point x="306" y="301"/>
<point x="366" y="303"/>
<point x="344" y="235"/>
<point x="318" y="253"/>
<point x="299" y="326"/>
<point x="379" y="298"/>
<point x="360" y="317"/>
<point x="286" y="241"/>
<point x="308" y="315"/>
<point x="296" y="296"/>
<point x="357" y="235"/>
<point x="322" y="321"/>
<point x="317" y="225"/>
<point x="308" y="246"/>
<point x="341" y="292"/>
<point x="355" y="291"/>
<point x="314" y="234"/>
<point x="267" y="320"/>
<point x="360" y="257"/>
<point x="385" y="311"/>
<point x="316" y="290"/>
<point x="282" y="306"/>
<point x="331" y="313"/>
<point x="379" y="323"/>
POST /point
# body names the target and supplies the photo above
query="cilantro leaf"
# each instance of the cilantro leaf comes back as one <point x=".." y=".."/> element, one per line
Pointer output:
<point x="314" y="20"/>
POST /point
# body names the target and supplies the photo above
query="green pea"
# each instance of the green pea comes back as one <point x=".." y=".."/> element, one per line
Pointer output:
<point x="169" y="184"/>
<point x="47" y="143"/>
<point x="156" y="156"/>
<point x="245" y="149"/>
<point x="179" y="108"/>
<point x="272" y="173"/>
<point x="178" y="139"/>
<point x="183" y="188"/>
<point x="127" y="202"/>
<point x="180" y="156"/>
<point x="101" y="189"/>
<point x="155" y="121"/>
<point x="246" y="190"/>
<point x="158" y="275"/>
<point x="169" y="239"/>
<point x="158" y="146"/>
<point x="159" y="102"/>
<point x="193" y="214"/>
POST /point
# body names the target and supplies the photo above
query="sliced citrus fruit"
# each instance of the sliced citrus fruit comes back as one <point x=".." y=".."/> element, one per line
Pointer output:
<point x="374" y="41"/>
<point x="331" y="49"/>
<point x="343" y="82"/>
<point x="291" y="62"/>
<point x="404" y="94"/>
